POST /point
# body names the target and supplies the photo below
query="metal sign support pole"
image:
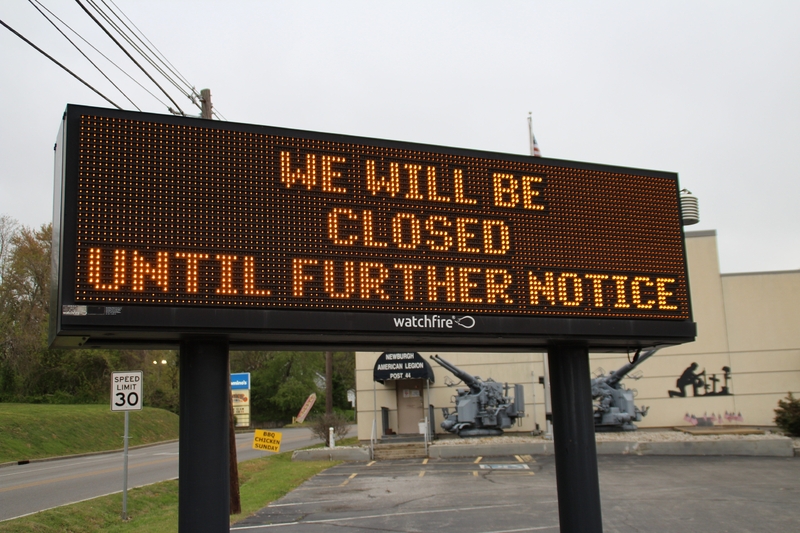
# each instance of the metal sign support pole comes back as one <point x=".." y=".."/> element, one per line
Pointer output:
<point x="573" y="440"/>
<point x="203" y="469"/>
<point x="125" y="468"/>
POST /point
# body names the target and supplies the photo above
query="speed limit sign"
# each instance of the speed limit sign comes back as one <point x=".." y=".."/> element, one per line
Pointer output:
<point x="126" y="391"/>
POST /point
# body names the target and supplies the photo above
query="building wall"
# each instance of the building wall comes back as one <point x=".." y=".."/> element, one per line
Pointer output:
<point x="764" y="337"/>
<point x="745" y="322"/>
<point x="509" y="368"/>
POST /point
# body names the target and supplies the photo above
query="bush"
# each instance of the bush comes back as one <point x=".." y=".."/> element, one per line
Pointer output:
<point x="787" y="415"/>
<point x="347" y="414"/>
<point x="321" y="424"/>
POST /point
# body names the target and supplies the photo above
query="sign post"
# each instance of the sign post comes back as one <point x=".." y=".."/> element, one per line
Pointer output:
<point x="127" y="396"/>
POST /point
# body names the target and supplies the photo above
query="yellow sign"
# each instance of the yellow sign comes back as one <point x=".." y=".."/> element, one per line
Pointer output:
<point x="268" y="441"/>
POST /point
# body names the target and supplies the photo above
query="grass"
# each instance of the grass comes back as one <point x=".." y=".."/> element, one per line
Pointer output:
<point x="35" y="431"/>
<point x="32" y="431"/>
<point x="154" y="509"/>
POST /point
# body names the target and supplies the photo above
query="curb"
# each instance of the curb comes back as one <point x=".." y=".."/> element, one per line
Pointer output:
<point x="87" y="454"/>
<point x="780" y="447"/>
<point x="332" y="454"/>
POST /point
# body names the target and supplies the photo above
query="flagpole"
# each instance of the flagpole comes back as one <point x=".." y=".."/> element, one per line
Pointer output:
<point x="534" y="146"/>
<point x="530" y="132"/>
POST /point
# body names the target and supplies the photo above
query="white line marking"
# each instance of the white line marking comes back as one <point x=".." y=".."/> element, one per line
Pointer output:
<point x="303" y="503"/>
<point x="385" y="515"/>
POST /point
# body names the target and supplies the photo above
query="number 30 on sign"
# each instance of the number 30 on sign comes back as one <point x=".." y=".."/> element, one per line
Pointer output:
<point x="126" y="391"/>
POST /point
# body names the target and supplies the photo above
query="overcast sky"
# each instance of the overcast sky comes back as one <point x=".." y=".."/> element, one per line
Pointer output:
<point x="710" y="90"/>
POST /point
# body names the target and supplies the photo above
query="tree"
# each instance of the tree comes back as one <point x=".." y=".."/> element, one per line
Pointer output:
<point x="24" y="305"/>
<point x="787" y="415"/>
<point x="344" y="378"/>
<point x="282" y="383"/>
<point x="29" y="370"/>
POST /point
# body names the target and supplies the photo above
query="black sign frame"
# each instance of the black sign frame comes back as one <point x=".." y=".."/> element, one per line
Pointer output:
<point x="76" y="323"/>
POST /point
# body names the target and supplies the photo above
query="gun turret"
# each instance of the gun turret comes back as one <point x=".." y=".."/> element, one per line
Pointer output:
<point x="614" y="407"/>
<point x="614" y="377"/>
<point x="484" y="409"/>
<point x="473" y="382"/>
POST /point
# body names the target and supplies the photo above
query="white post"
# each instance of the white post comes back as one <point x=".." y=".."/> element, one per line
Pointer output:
<point x="536" y="430"/>
<point x="331" y="442"/>
<point x="548" y="412"/>
<point x="125" y="470"/>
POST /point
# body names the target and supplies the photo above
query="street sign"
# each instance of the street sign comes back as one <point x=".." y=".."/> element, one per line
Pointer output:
<point x="268" y="441"/>
<point x="167" y="225"/>
<point x="126" y="391"/>
<point x="240" y="390"/>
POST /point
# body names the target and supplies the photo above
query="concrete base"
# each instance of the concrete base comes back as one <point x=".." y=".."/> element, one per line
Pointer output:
<point x="331" y="454"/>
<point x="781" y="447"/>
<point x="489" y="450"/>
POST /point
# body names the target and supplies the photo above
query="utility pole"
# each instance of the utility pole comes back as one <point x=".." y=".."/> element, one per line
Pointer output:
<point x="205" y="100"/>
<point x="328" y="383"/>
<point x="235" y="503"/>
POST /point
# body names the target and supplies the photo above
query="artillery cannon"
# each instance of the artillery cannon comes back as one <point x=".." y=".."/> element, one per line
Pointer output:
<point x="614" y="409"/>
<point x="485" y="409"/>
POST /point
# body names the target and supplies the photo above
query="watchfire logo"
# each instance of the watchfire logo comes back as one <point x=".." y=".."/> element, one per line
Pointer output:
<point x="434" y="321"/>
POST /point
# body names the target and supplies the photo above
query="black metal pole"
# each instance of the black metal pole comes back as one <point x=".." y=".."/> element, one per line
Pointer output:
<point x="203" y="469"/>
<point x="573" y="440"/>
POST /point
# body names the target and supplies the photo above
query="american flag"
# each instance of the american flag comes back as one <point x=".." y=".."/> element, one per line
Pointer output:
<point x="535" y="152"/>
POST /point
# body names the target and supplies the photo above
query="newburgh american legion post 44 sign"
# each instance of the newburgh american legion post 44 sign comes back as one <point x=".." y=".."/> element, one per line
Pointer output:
<point x="168" y="226"/>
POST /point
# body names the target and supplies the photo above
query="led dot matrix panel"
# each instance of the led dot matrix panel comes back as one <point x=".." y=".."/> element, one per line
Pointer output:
<point x="168" y="225"/>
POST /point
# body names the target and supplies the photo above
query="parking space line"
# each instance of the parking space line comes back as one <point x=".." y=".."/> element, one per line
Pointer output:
<point x="421" y="473"/>
<point x="314" y="502"/>
<point x="387" y="515"/>
<point x="478" y="460"/>
<point x="425" y="461"/>
<point x="537" y="528"/>
<point x="346" y="481"/>
<point x="371" y="463"/>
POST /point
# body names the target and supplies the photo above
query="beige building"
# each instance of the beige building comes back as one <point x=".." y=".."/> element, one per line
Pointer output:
<point x="747" y="356"/>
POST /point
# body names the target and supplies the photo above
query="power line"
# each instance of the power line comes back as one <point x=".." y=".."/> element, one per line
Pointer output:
<point x="12" y="30"/>
<point x="83" y="54"/>
<point x="131" y="58"/>
<point x="157" y="52"/>
<point x="134" y="45"/>
<point x="134" y="80"/>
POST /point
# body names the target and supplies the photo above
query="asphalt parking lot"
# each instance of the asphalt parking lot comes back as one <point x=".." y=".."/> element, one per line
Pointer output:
<point x="518" y="493"/>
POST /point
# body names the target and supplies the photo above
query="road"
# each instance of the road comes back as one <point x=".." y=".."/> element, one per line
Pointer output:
<point x="26" y="489"/>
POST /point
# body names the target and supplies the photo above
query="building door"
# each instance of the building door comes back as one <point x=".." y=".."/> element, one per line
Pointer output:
<point x="410" y="406"/>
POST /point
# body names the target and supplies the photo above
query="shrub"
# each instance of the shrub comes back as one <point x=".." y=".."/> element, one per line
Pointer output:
<point x="787" y="415"/>
<point x="321" y="424"/>
<point x="347" y="414"/>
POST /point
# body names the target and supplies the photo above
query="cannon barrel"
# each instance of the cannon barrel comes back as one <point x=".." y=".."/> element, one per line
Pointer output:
<point x="471" y="381"/>
<point x="616" y="376"/>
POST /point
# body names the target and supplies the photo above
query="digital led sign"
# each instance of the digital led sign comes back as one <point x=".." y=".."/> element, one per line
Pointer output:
<point x="167" y="226"/>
